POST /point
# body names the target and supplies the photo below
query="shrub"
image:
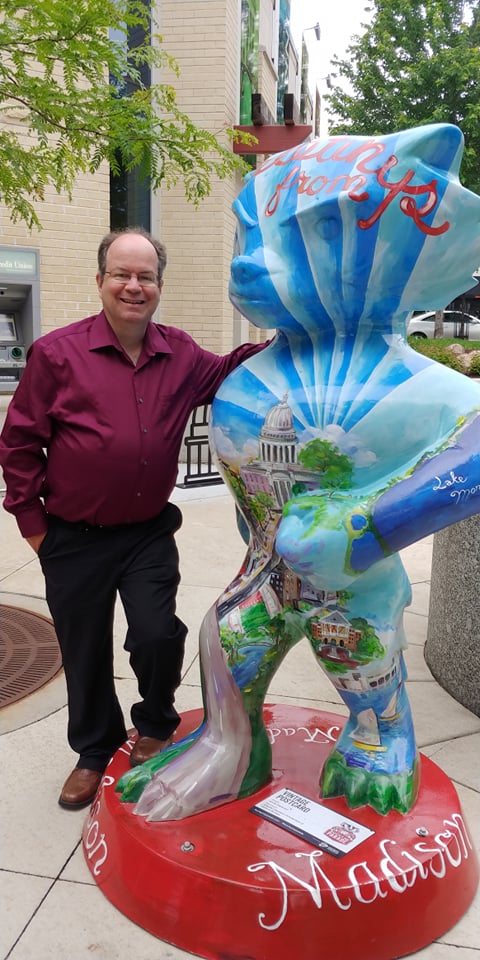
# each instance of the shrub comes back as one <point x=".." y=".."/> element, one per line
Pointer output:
<point x="475" y="365"/>
<point x="436" y="350"/>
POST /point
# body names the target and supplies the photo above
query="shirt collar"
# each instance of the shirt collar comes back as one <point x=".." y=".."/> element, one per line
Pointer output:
<point x="102" y="335"/>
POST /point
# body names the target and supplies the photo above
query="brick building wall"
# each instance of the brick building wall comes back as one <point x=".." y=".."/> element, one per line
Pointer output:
<point x="67" y="244"/>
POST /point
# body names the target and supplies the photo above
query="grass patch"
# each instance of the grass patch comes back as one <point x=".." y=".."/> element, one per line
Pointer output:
<point x="446" y="342"/>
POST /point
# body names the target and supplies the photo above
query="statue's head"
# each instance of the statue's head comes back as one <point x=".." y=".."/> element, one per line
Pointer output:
<point x="345" y="230"/>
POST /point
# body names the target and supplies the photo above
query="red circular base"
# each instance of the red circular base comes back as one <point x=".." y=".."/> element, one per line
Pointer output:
<point x="227" y="883"/>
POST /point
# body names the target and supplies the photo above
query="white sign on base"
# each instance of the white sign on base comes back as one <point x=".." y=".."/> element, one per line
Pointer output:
<point x="320" y="826"/>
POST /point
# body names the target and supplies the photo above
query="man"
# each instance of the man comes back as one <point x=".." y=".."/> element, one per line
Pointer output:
<point x="90" y="450"/>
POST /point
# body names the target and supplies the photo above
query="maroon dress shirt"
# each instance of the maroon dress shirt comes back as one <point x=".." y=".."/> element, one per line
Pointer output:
<point x="90" y="436"/>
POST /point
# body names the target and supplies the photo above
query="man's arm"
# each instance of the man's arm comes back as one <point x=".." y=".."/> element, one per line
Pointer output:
<point x="212" y="369"/>
<point x="23" y="440"/>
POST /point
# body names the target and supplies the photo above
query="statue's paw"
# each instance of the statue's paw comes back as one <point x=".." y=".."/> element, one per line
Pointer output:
<point x="133" y="782"/>
<point x="159" y="802"/>
<point x="206" y="775"/>
<point x="360" y="787"/>
<point x="188" y="787"/>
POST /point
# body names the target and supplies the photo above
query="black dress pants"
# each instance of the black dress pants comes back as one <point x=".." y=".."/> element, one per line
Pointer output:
<point x="84" y="568"/>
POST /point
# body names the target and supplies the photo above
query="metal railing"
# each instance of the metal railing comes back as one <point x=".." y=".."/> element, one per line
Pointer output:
<point x="200" y="469"/>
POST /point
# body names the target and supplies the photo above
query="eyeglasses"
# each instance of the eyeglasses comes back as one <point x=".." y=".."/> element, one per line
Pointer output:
<point x="121" y="277"/>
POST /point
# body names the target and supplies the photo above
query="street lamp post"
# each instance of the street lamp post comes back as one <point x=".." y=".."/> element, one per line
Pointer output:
<point x="315" y="27"/>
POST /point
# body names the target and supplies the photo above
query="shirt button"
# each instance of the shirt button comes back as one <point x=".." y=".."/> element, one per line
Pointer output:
<point x="139" y="494"/>
<point x="145" y="463"/>
<point x="140" y="399"/>
<point x="145" y="430"/>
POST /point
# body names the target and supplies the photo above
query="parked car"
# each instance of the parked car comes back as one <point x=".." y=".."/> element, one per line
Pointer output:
<point x="455" y="325"/>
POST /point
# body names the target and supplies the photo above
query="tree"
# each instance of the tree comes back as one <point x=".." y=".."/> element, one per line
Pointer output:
<point x="73" y="94"/>
<point x="417" y="62"/>
<point x="323" y="457"/>
<point x="231" y="640"/>
<point x="369" y="645"/>
<point x="438" y="328"/>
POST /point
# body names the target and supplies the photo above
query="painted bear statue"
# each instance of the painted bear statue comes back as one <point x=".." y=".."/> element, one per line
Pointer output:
<point x="341" y="445"/>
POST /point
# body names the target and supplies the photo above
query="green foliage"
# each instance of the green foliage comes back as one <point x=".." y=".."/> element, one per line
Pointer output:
<point x="298" y="488"/>
<point x="72" y="96"/>
<point x="361" y="787"/>
<point x="265" y="499"/>
<point x="337" y="668"/>
<point x="231" y="640"/>
<point x="253" y="618"/>
<point x="259" y="505"/>
<point x="324" y="457"/>
<point x="257" y="510"/>
<point x="437" y="350"/>
<point x="475" y="366"/>
<point x="369" y="645"/>
<point x="237" y="486"/>
<point x="417" y="62"/>
<point x="343" y="596"/>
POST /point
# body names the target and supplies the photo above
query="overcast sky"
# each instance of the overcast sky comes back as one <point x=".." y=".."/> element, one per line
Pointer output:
<point x="339" y="20"/>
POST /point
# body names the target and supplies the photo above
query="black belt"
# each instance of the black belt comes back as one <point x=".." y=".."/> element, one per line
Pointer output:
<point x="84" y="527"/>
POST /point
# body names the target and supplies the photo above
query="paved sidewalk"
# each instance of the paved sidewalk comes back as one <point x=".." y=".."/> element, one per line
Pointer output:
<point x="52" y="908"/>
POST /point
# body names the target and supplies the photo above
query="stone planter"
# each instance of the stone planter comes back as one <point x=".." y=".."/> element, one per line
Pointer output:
<point x="452" y="650"/>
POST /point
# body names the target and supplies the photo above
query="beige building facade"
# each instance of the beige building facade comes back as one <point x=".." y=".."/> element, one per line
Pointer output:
<point x="204" y="38"/>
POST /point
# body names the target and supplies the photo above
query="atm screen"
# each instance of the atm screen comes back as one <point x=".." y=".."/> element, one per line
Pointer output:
<point x="8" y="329"/>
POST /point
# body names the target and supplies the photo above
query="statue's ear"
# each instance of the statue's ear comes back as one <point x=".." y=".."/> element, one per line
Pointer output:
<point x="438" y="145"/>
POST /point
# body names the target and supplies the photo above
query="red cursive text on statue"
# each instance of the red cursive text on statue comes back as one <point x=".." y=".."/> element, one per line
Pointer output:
<point x="354" y="183"/>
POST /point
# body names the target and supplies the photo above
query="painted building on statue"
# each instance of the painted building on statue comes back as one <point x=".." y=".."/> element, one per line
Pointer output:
<point x="335" y="630"/>
<point x="277" y="470"/>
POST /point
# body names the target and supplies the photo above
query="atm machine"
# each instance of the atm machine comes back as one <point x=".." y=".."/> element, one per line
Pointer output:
<point x="19" y="311"/>
<point x="12" y="352"/>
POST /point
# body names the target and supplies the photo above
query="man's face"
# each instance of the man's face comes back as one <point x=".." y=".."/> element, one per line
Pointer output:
<point x="128" y="298"/>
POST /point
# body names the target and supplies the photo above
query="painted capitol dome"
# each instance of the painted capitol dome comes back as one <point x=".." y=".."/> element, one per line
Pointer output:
<point x="277" y="436"/>
<point x="277" y="468"/>
<point x="279" y="422"/>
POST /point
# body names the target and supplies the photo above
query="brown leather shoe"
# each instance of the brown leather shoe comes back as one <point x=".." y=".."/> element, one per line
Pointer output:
<point x="146" y="748"/>
<point x="79" y="788"/>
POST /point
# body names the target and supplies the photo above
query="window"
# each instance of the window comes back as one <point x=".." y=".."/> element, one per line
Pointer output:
<point x="130" y="194"/>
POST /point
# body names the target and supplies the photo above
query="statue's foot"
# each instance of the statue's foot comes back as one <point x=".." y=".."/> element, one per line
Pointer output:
<point x="132" y="784"/>
<point x="375" y="761"/>
<point x="204" y="776"/>
<point x="366" y="787"/>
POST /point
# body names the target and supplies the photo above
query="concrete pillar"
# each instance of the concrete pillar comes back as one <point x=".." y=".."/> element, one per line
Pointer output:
<point x="452" y="650"/>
